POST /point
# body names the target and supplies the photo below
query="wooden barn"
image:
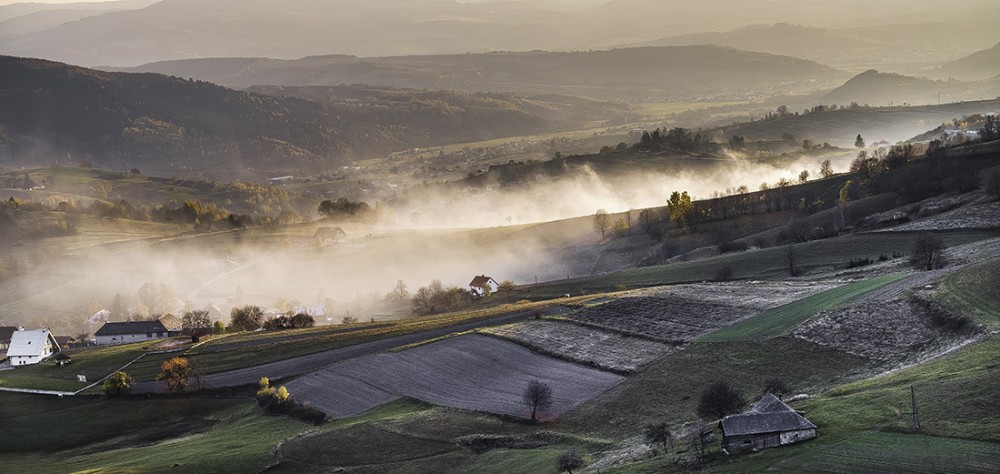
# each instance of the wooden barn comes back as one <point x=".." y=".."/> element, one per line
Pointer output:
<point x="769" y="423"/>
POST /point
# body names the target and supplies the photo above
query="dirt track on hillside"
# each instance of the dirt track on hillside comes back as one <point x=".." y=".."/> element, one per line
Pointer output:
<point x="312" y="362"/>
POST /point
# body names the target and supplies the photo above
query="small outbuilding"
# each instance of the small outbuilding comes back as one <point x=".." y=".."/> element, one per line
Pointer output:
<point x="480" y="283"/>
<point x="329" y="235"/>
<point x="769" y="423"/>
<point x="31" y="347"/>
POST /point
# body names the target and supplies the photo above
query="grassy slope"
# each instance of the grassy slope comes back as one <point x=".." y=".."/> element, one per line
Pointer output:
<point x="93" y="363"/>
<point x="782" y="319"/>
<point x="769" y="263"/>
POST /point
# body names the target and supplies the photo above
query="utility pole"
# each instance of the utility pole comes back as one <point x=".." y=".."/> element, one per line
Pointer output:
<point x="913" y="401"/>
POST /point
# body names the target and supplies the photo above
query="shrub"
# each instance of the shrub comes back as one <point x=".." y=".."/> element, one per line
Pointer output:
<point x="724" y="273"/>
<point x="733" y="246"/>
<point x="119" y="383"/>
<point x="776" y="386"/>
<point x="569" y="460"/>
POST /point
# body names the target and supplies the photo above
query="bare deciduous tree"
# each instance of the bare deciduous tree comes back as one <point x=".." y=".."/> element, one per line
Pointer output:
<point x="602" y="221"/>
<point x="538" y="396"/>
<point x="927" y="252"/>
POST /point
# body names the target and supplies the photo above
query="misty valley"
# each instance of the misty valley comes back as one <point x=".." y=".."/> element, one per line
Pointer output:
<point x="474" y="236"/>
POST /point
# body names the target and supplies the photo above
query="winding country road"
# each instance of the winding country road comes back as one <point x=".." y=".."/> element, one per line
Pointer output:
<point x="312" y="362"/>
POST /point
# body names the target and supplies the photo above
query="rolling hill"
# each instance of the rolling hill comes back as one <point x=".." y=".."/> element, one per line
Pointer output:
<point x="876" y="88"/>
<point x="673" y="73"/>
<point x="175" y="126"/>
<point x="839" y="127"/>
<point x="980" y="65"/>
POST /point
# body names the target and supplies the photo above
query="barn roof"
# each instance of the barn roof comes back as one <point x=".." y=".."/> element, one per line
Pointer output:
<point x="130" y="327"/>
<point x="480" y="281"/>
<point x="65" y="340"/>
<point x="760" y="423"/>
<point x="6" y="332"/>
<point x="171" y="322"/>
<point x="30" y="343"/>
<point x="769" y="404"/>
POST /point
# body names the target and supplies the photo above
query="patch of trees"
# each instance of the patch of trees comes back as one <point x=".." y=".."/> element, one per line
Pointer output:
<point x="246" y="318"/>
<point x="196" y="323"/>
<point x="298" y="321"/>
<point x="680" y="140"/>
<point x="345" y="209"/>
<point x="435" y="298"/>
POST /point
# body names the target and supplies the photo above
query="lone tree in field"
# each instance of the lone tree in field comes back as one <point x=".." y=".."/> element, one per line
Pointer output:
<point x="659" y="434"/>
<point x="538" y="396"/>
<point x="569" y="460"/>
<point x="992" y="186"/>
<point x="247" y="318"/>
<point x="826" y="169"/>
<point x="119" y="383"/>
<point x="790" y="259"/>
<point x="859" y="142"/>
<point x="602" y="220"/>
<point x="175" y="373"/>
<point x="927" y="252"/>
<point x="718" y="400"/>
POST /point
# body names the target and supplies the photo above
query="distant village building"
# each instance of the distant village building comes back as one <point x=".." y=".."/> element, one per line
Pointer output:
<point x="31" y="347"/>
<point x="328" y="235"/>
<point x="769" y="423"/>
<point x="214" y="312"/>
<point x="66" y="342"/>
<point x="5" y="334"/>
<point x="480" y="283"/>
<point x="138" y="331"/>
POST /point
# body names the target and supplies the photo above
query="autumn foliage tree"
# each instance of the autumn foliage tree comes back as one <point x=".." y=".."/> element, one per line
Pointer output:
<point x="175" y="374"/>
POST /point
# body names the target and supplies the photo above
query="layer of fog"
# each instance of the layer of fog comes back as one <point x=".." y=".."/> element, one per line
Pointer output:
<point x="449" y="236"/>
<point x="584" y="192"/>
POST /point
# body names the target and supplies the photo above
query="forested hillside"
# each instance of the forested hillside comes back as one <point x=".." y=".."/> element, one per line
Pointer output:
<point x="52" y="113"/>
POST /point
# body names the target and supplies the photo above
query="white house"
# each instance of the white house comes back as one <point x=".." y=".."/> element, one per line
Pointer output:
<point x="480" y="283"/>
<point x="31" y="347"/>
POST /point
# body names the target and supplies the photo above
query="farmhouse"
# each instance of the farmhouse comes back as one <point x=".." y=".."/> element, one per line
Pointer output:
<point x="328" y="235"/>
<point x="31" y="347"/>
<point x="67" y="341"/>
<point x="480" y="283"/>
<point x="769" y="423"/>
<point x="138" y="331"/>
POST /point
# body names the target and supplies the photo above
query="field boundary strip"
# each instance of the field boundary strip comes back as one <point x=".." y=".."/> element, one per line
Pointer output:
<point x="778" y="321"/>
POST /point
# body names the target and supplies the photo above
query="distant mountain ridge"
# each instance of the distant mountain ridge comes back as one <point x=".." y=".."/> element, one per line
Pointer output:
<point x="877" y="88"/>
<point x="54" y="112"/>
<point x="845" y="47"/>
<point x="672" y="73"/>
<point x="979" y="65"/>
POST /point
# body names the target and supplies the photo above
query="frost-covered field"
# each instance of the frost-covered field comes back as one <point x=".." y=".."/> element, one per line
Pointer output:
<point x="586" y="345"/>
<point x="473" y="372"/>
<point x="678" y="314"/>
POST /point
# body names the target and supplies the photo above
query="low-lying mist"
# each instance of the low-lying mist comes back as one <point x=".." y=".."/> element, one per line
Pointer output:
<point x="449" y="234"/>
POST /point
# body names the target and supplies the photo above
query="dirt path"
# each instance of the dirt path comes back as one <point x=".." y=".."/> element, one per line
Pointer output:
<point x="308" y="363"/>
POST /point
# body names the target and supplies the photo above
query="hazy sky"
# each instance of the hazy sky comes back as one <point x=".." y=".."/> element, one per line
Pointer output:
<point x="8" y="2"/>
